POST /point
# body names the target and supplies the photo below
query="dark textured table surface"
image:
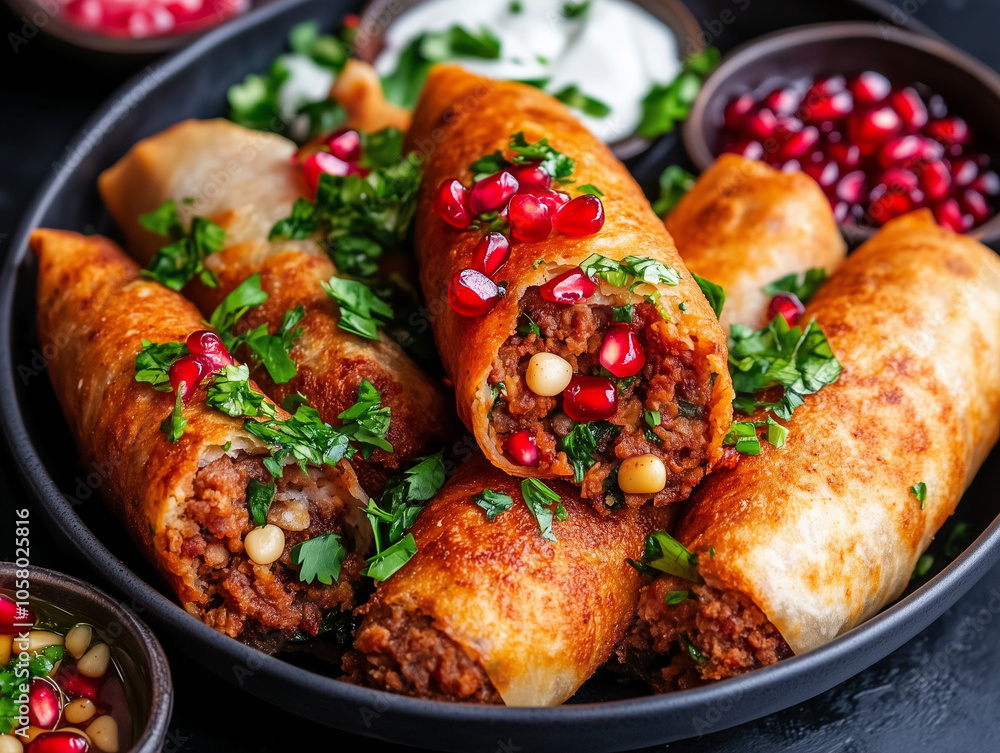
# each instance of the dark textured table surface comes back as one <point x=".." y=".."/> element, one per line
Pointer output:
<point x="940" y="692"/>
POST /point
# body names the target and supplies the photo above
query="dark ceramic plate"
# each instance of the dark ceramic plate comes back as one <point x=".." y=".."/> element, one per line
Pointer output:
<point x="606" y="714"/>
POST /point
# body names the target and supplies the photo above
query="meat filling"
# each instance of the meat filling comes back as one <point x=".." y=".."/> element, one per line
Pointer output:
<point x="672" y="383"/>
<point x="711" y="634"/>
<point x="403" y="652"/>
<point x="263" y="605"/>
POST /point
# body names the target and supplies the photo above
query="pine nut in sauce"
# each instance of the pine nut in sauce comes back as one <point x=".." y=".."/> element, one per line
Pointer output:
<point x="103" y="732"/>
<point x="95" y="662"/>
<point x="78" y="640"/>
<point x="10" y="744"/>
<point x="6" y="643"/>
<point x="39" y="639"/>
<point x="79" y="711"/>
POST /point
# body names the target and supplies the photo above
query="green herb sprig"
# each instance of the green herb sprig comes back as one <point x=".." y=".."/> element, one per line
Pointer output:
<point x="176" y="264"/>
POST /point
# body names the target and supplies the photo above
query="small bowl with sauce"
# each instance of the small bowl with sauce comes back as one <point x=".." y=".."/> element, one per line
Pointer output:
<point x="79" y="673"/>
<point x="885" y="120"/>
<point x="601" y="57"/>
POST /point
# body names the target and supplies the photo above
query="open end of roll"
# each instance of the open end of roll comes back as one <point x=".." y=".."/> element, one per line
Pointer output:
<point x="660" y="414"/>
<point x="689" y="634"/>
<point x="263" y="605"/>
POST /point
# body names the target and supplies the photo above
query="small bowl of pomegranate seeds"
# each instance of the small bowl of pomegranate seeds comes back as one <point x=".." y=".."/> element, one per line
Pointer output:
<point x="885" y="121"/>
<point x="78" y="672"/>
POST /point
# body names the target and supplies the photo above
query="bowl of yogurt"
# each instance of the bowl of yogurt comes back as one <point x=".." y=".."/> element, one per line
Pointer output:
<point x="602" y="58"/>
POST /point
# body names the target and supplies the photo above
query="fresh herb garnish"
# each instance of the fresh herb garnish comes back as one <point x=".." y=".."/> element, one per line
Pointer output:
<point x="663" y="553"/>
<point x="174" y="424"/>
<point x="675" y="182"/>
<point x="367" y="421"/>
<point x="529" y="327"/>
<point x="153" y="362"/>
<point x="623" y="313"/>
<point x="575" y="10"/>
<point x="714" y="293"/>
<point x="361" y="311"/>
<point x="803" y="285"/>
<point x="590" y="189"/>
<point x="920" y="492"/>
<point x="493" y="502"/>
<point x="539" y="498"/>
<point x="571" y="96"/>
<point x="259" y="499"/>
<point x="692" y="650"/>
<point x="303" y="436"/>
<point x="397" y="508"/>
<point x="667" y="104"/>
<point x="319" y="558"/>
<point x="676" y="597"/>
<point x="244" y="297"/>
<point x="923" y="566"/>
<point x="299" y="225"/>
<point x="958" y="540"/>
<point x="176" y="264"/>
<point x="581" y="443"/>
<point x="629" y="271"/>
<point x="555" y="163"/>
<point x="743" y="435"/>
<point x="799" y="361"/>
<point x="231" y="393"/>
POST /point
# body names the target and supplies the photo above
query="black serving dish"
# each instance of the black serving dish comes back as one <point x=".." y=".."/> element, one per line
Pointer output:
<point x="135" y="650"/>
<point x="973" y="89"/>
<point x="606" y="714"/>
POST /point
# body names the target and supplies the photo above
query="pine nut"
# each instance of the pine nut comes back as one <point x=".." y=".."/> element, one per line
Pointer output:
<point x="78" y="640"/>
<point x="264" y="545"/>
<point x="79" y="711"/>
<point x="548" y="374"/>
<point x="103" y="732"/>
<point x="95" y="662"/>
<point x="642" y="474"/>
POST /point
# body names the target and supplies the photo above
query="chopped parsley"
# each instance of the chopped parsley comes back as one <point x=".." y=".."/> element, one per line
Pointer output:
<point x="243" y="297"/>
<point x="581" y="443"/>
<point x="367" y="421"/>
<point x="799" y="361"/>
<point x="667" y="104"/>
<point x="714" y="293"/>
<point x="555" y="163"/>
<point x="629" y="271"/>
<point x="319" y="558"/>
<point x="624" y="313"/>
<point x="153" y="362"/>
<point x="743" y="435"/>
<point x="259" y="499"/>
<point x="571" y="96"/>
<point x="231" y="393"/>
<point x="361" y="311"/>
<point x="303" y="436"/>
<point x="923" y="566"/>
<point x="575" y="10"/>
<point x="803" y="285"/>
<point x="665" y="554"/>
<point x="958" y="540"/>
<point x="493" y="502"/>
<point x="675" y="182"/>
<point x="395" y="512"/>
<point x="676" y="597"/>
<point x="692" y="650"/>
<point x="920" y="492"/>
<point x="529" y="327"/>
<point x="176" y="264"/>
<point x="292" y="402"/>
<point x="175" y="424"/>
<point x="539" y="499"/>
<point x="299" y="225"/>
<point x="590" y="189"/>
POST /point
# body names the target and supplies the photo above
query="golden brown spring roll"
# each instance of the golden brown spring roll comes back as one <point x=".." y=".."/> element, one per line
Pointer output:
<point x="183" y="503"/>
<point x="491" y="612"/>
<point x="800" y="544"/>
<point x="745" y="225"/>
<point x="460" y="118"/>
<point x="245" y="181"/>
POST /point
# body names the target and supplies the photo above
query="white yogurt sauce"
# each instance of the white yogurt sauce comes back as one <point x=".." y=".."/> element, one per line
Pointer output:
<point x="614" y="52"/>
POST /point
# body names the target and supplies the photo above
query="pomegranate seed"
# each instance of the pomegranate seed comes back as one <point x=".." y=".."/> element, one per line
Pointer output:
<point x="870" y="87"/>
<point x="569" y="287"/>
<point x="847" y="155"/>
<point x="988" y="183"/>
<point x="841" y="211"/>
<point x="949" y="214"/>
<point x="964" y="171"/>
<point x="824" y="173"/>
<point x="910" y="108"/>
<point x="531" y="175"/>
<point x="787" y="126"/>
<point x="207" y="343"/>
<point x="345" y="145"/>
<point x="885" y="204"/>
<point x="492" y="192"/>
<point x="191" y="370"/>
<point x="976" y="205"/>
<point x="471" y="293"/>
<point x="491" y="253"/>
<point x="14" y="619"/>
<point x="900" y="150"/>
<point x="828" y="106"/>
<point x="552" y="199"/>
<point x="529" y="218"/>
<point x="787" y="305"/>
<point x="748" y="149"/>
<point x="75" y="684"/>
<point x="761" y="124"/>
<point x="899" y="180"/>
<point x="318" y="163"/>
<point x="451" y="203"/>
<point x="43" y="704"/>
<point x="949" y="131"/>
<point x="782" y="101"/>
<point x="59" y="742"/>
<point x="874" y="125"/>
<point x="621" y="353"/>
<point x="521" y="446"/>
<point x="799" y="143"/>
<point x="829" y="85"/>
<point x="736" y="110"/>
<point x="584" y="215"/>
<point x="935" y="179"/>
<point x="590" y="399"/>
<point x="851" y="187"/>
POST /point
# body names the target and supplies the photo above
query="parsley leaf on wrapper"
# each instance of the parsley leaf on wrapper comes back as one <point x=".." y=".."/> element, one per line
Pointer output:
<point x="743" y="435"/>
<point x="665" y="554"/>
<point x="629" y="271"/>
<point x="493" y="502"/>
<point x="176" y="264"/>
<point x="153" y="362"/>
<point x="259" y="499"/>
<point x="231" y="393"/>
<point x="319" y="558"/>
<point x="175" y="424"/>
<point x="539" y="498"/>
<point x="361" y="311"/>
<point x="555" y="163"/>
<point x="303" y="436"/>
<point x="367" y="421"/>
<point x="714" y="293"/>
<point x="244" y="297"/>
<point x="802" y="285"/>
<point x="920" y="492"/>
